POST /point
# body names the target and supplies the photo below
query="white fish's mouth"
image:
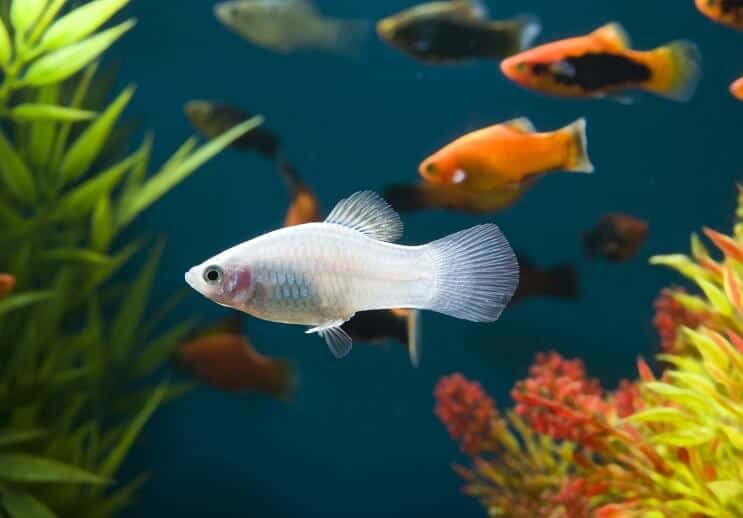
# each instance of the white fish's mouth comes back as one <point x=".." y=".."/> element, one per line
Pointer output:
<point x="190" y="278"/>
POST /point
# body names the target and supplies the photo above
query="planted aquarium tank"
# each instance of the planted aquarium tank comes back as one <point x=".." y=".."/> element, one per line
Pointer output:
<point x="209" y="307"/>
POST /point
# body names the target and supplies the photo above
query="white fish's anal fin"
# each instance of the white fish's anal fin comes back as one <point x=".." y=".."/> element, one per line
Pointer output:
<point x="337" y="339"/>
<point x="522" y="124"/>
<point x="369" y="214"/>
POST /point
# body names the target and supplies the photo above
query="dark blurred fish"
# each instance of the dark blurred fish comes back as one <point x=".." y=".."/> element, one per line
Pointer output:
<point x="616" y="237"/>
<point x="380" y="326"/>
<point x="602" y="64"/>
<point x="288" y="25"/>
<point x="458" y="30"/>
<point x="223" y="358"/>
<point x="558" y="281"/>
<point x="726" y="12"/>
<point x="213" y="118"/>
<point x="737" y="89"/>
<point x="428" y="196"/>
<point x="7" y="284"/>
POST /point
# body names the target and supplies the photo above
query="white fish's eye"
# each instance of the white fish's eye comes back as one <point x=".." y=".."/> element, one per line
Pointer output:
<point x="213" y="275"/>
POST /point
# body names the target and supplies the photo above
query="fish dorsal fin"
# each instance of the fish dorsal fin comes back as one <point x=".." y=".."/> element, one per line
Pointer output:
<point x="478" y="9"/>
<point x="614" y="34"/>
<point x="369" y="214"/>
<point x="522" y="125"/>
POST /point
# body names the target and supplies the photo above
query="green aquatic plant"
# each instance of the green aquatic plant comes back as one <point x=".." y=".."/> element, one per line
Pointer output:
<point x="77" y="343"/>
<point x="658" y="447"/>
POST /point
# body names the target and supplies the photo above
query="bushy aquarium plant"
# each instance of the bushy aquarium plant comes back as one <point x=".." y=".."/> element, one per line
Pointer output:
<point x="76" y="351"/>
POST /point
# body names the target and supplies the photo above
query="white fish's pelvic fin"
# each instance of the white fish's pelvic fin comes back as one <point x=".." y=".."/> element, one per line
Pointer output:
<point x="369" y="214"/>
<point x="337" y="339"/>
<point x="476" y="274"/>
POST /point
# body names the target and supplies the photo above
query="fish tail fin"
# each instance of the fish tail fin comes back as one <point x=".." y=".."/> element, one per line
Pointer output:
<point x="528" y="27"/>
<point x="476" y="274"/>
<point x="578" y="160"/>
<point x="562" y="282"/>
<point x="350" y="36"/>
<point x="412" y="325"/>
<point x="677" y="69"/>
<point x="289" y="377"/>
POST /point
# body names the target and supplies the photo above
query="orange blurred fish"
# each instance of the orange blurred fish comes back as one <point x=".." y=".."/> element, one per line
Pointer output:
<point x="616" y="237"/>
<point x="380" y="326"/>
<point x="603" y="64"/>
<point x="726" y="12"/>
<point x="430" y="196"/>
<point x="506" y="154"/>
<point x="737" y="89"/>
<point x="7" y="284"/>
<point x="229" y="362"/>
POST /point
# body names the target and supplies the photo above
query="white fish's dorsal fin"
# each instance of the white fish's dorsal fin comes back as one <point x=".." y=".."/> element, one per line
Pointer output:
<point x="369" y="214"/>
<point x="614" y="34"/>
<point x="522" y="124"/>
<point x="337" y="339"/>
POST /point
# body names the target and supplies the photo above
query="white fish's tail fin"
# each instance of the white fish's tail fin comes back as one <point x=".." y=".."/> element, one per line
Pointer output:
<point x="350" y="36"/>
<point x="578" y="160"/>
<point x="476" y="274"/>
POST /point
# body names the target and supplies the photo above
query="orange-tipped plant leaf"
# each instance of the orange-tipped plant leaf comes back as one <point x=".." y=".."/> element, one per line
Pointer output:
<point x="729" y="247"/>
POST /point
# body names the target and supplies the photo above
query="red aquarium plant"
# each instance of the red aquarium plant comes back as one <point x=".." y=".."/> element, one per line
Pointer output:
<point x="661" y="446"/>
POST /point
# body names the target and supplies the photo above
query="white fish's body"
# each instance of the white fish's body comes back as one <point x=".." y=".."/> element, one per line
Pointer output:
<point x="321" y="274"/>
<point x="289" y="25"/>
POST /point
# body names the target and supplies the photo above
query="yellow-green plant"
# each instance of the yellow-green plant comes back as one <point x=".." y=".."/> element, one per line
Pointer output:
<point x="73" y="342"/>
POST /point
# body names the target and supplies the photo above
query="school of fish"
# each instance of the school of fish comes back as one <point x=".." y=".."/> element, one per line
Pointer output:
<point x="344" y="277"/>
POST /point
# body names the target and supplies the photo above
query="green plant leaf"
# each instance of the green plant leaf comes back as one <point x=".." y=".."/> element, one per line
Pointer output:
<point x="15" y="173"/>
<point x="688" y="437"/>
<point x="101" y="226"/>
<point x="17" y="467"/>
<point x="37" y="112"/>
<point x="77" y="255"/>
<point x="51" y="12"/>
<point x="20" y="504"/>
<point x="22" y="300"/>
<point x="659" y="415"/>
<point x="61" y="64"/>
<point x="160" y="350"/>
<point x="716" y="296"/>
<point x="81" y="200"/>
<point x="23" y="14"/>
<point x="13" y="437"/>
<point x="167" y="178"/>
<point x="726" y="490"/>
<point x="6" y="47"/>
<point x="682" y="264"/>
<point x="89" y="144"/>
<point x="112" y="504"/>
<point x="80" y="22"/>
<point x="111" y="465"/>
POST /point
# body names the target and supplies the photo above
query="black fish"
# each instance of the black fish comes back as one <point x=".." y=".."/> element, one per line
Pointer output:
<point x="616" y="237"/>
<point x="559" y="282"/>
<point x="379" y="326"/>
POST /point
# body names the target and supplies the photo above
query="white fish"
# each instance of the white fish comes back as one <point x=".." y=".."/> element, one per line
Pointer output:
<point x="287" y="25"/>
<point x="321" y="274"/>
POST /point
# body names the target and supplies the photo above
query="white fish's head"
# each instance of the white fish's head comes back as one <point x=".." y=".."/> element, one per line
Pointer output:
<point x="223" y="282"/>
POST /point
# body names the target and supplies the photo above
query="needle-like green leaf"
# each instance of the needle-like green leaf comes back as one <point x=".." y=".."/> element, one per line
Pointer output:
<point x="17" y="467"/>
<point x="20" y="504"/>
<point x="36" y="112"/>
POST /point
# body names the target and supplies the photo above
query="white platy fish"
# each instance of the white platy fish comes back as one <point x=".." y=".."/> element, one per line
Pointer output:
<point x="321" y="274"/>
<point x="287" y="25"/>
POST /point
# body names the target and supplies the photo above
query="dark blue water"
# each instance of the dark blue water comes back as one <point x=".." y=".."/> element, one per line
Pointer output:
<point x="360" y="439"/>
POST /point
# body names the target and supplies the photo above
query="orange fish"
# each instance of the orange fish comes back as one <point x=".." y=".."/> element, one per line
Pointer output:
<point x="603" y="64"/>
<point x="506" y="154"/>
<point x="380" y="326"/>
<point x="737" y="89"/>
<point x="726" y="12"/>
<point x="303" y="207"/>
<point x="229" y="362"/>
<point x="430" y="196"/>
<point x="7" y="283"/>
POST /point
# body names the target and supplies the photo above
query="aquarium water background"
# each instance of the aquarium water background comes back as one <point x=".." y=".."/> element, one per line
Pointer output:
<point x="360" y="438"/>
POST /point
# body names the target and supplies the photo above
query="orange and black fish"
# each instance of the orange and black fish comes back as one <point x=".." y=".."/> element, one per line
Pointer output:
<point x="737" y="89"/>
<point x="304" y="206"/>
<point x="504" y="155"/>
<point x="726" y="12"/>
<point x="7" y="284"/>
<point x="213" y="118"/>
<point x="602" y="64"/>
<point x="616" y="237"/>
<point x="559" y="282"/>
<point x="380" y="326"/>
<point x="458" y="30"/>
<point x="227" y="361"/>
<point x="429" y="196"/>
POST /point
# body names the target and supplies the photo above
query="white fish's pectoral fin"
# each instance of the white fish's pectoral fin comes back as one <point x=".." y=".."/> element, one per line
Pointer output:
<point x="337" y="339"/>
<point x="368" y="213"/>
